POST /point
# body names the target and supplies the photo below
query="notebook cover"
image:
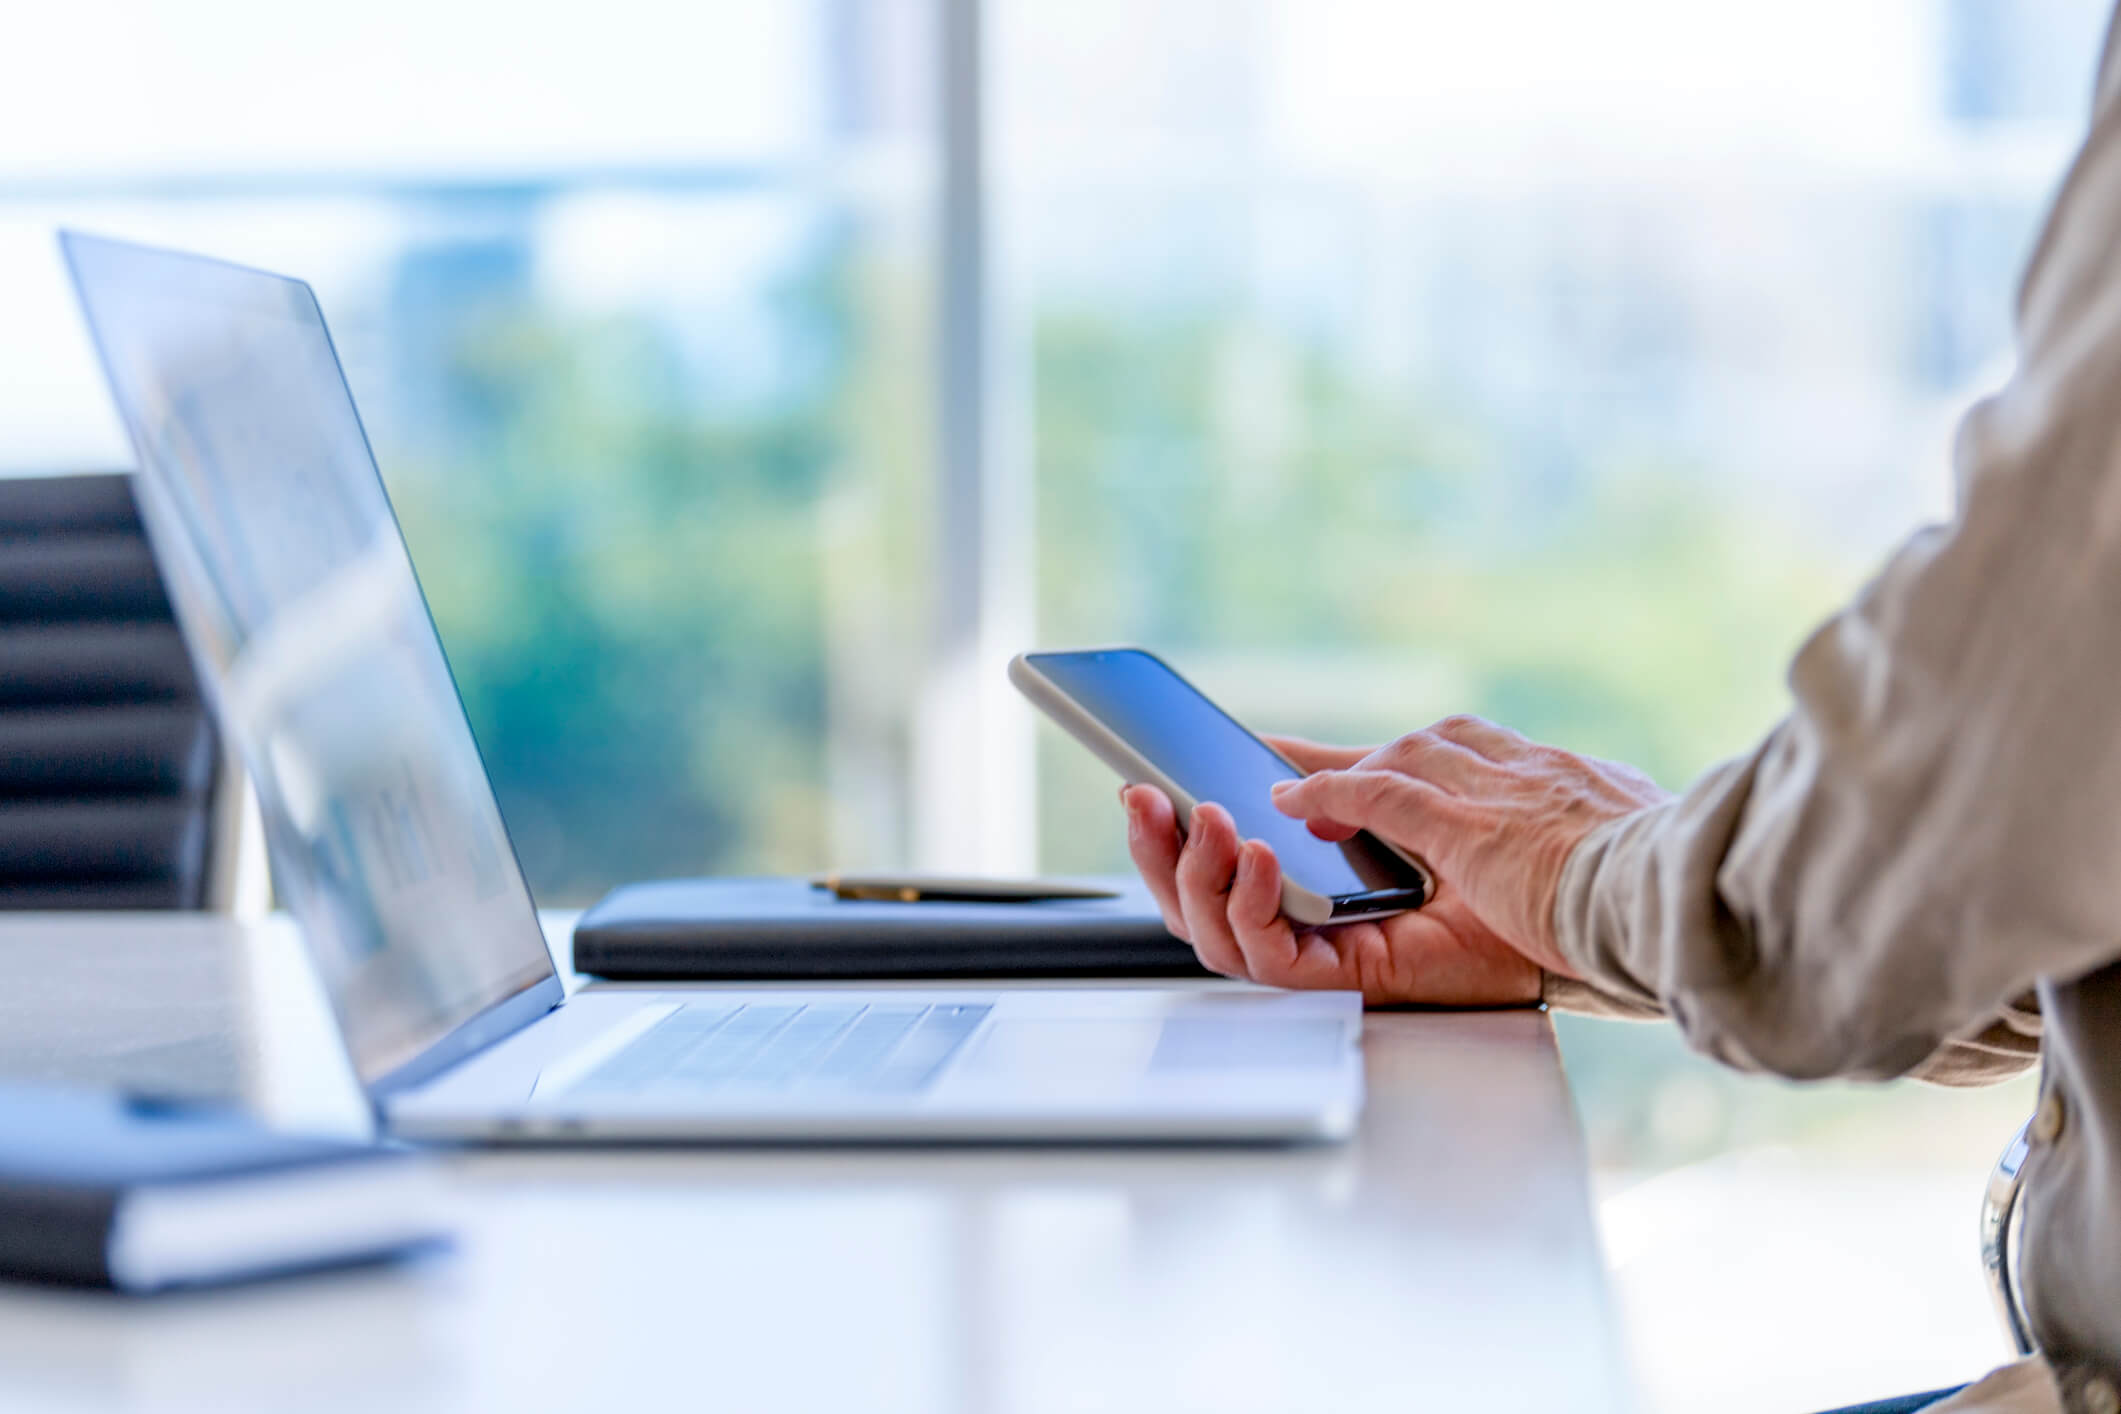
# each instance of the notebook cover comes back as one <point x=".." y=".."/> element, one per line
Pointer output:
<point x="778" y="930"/>
<point x="68" y="1158"/>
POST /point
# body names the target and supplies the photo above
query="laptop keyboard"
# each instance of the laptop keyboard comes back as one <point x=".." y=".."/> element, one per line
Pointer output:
<point x="782" y="1049"/>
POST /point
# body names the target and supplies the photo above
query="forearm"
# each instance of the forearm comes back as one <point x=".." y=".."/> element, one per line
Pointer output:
<point x="1783" y="913"/>
<point x="2008" y="1045"/>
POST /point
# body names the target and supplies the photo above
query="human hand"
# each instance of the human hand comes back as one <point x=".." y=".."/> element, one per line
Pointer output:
<point x="1223" y="895"/>
<point x="1492" y="813"/>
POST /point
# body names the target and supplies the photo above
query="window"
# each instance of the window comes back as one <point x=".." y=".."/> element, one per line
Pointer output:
<point x="1558" y="363"/>
<point x="638" y="315"/>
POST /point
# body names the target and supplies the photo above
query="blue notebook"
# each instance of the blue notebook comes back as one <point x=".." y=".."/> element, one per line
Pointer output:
<point x="100" y="1190"/>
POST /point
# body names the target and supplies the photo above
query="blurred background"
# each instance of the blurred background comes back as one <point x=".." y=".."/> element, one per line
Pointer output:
<point x="752" y="378"/>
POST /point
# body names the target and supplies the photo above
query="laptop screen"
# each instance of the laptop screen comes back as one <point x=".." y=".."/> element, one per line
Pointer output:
<point x="291" y="580"/>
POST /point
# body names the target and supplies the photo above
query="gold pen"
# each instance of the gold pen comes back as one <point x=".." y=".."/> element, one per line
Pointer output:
<point x="929" y="888"/>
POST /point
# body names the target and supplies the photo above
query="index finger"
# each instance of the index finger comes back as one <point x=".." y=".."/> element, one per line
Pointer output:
<point x="1308" y="756"/>
<point x="1403" y="809"/>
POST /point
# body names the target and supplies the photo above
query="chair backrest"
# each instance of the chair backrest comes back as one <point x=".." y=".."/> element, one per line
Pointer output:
<point x="110" y="769"/>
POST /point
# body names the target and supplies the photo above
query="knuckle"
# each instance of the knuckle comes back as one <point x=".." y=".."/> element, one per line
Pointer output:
<point x="1552" y="758"/>
<point x="1373" y="788"/>
<point x="1413" y="744"/>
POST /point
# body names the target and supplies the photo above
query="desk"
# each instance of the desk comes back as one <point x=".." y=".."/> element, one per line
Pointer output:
<point x="1445" y="1260"/>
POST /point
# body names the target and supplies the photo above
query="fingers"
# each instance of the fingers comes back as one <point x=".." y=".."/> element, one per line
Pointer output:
<point x="1309" y="756"/>
<point x="1274" y="952"/>
<point x="1264" y="938"/>
<point x="1153" y="841"/>
<point x="1206" y="868"/>
<point x="1223" y="897"/>
<point x="1406" y="810"/>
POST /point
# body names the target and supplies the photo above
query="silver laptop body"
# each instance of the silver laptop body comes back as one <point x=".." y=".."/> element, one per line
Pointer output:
<point x="299" y="602"/>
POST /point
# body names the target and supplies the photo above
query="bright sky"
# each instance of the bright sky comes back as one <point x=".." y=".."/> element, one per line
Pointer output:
<point x="1401" y="89"/>
<point x="129" y="85"/>
<point x="419" y="85"/>
<point x="1524" y="92"/>
<point x="1360" y="78"/>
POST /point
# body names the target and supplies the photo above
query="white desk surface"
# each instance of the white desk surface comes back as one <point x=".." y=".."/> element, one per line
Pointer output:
<point x="1445" y="1260"/>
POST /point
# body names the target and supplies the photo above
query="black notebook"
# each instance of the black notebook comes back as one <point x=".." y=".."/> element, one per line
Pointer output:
<point x="763" y="930"/>
<point x="100" y="1190"/>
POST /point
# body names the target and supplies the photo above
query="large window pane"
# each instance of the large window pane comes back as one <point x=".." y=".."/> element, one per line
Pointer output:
<point x="1558" y="363"/>
<point x="637" y="313"/>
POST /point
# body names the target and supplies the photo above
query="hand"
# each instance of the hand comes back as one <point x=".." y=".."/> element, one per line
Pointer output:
<point x="1491" y="812"/>
<point x="1223" y="895"/>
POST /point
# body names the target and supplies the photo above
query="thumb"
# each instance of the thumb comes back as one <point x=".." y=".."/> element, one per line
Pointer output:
<point x="1403" y="809"/>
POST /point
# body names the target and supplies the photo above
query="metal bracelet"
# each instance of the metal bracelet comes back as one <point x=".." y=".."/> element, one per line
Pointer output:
<point x="2001" y="1219"/>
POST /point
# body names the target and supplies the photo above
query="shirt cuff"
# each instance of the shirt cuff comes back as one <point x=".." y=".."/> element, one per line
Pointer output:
<point x="1584" y="916"/>
<point x="1580" y="998"/>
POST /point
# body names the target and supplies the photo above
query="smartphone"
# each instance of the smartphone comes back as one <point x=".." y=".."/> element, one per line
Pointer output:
<point x="1153" y="727"/>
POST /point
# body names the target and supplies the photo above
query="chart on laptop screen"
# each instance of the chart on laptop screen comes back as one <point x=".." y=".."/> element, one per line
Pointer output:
<point x="296" y="593"/>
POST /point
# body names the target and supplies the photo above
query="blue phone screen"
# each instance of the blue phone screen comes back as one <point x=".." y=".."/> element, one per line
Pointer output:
<point x="1212" y="758"/>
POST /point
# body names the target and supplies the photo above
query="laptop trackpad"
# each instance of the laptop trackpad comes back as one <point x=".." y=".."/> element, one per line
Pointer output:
<point x="1093" y="1049"/>
<point x="1252" y="1043"/>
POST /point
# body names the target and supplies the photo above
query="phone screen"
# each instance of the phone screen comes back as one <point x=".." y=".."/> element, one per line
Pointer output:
<point x="1210" y="757"/>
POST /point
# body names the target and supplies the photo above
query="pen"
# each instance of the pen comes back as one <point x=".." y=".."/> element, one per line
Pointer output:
<point x="882" y="888"/>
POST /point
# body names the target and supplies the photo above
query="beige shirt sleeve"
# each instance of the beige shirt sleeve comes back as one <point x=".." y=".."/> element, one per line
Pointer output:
<point x="1937" y="822"/>
<point x="2007" y="1046"/>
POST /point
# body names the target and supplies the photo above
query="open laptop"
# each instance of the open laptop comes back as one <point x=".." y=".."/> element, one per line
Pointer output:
<point x="299" y="602"/>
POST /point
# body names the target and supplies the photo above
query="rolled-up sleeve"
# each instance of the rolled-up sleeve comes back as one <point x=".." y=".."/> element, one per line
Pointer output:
<point x="1937" y="822"/>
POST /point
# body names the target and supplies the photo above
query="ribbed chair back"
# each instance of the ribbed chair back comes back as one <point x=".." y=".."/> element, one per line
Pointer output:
<point x="108" y="756"/>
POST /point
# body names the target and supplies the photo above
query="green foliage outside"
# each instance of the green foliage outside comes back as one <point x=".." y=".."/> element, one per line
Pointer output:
<point x="633" y="583"/>
<point x="661" y="610"/>
<point x="1629" y="613"/>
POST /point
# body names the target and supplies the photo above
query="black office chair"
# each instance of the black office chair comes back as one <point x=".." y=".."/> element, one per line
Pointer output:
<point x="113" y="793"/>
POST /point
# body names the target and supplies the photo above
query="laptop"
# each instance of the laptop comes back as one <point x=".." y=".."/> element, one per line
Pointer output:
<point x="299" y="602"/>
